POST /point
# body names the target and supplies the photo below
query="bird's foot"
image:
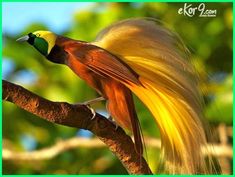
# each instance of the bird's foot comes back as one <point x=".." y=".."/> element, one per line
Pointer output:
<point x="93" y="101"/>
<point x="92" y="110"/>
<point x="113" y="122"/>
<point x="89" y="103"/>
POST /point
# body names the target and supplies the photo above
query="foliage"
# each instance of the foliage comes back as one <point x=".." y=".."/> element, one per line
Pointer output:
<point x="208" y="39"/>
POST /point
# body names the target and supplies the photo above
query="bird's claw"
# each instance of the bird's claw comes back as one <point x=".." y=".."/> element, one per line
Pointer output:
<point x="88" y="105"/>
<point x="92" y="111"/>
<point x="114" y="123"/>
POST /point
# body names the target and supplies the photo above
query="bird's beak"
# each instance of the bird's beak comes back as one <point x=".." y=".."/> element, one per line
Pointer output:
<point x="23" y="39"/>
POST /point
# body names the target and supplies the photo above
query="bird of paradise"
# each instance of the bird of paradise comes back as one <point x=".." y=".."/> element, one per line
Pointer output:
<point x="140" y="56"/>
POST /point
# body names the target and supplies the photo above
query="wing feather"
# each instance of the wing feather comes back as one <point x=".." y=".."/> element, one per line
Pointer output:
<point x="104" y="63"/>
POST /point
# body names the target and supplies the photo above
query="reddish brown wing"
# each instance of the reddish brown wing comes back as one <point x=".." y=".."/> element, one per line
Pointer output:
<point x="104" y="63"/>
<point x="121" y="105"/>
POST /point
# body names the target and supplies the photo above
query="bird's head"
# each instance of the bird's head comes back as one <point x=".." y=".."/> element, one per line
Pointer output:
<point x="43" y="41"/>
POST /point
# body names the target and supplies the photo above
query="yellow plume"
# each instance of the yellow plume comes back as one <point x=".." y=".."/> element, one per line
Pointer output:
<point x="169" y="88"/>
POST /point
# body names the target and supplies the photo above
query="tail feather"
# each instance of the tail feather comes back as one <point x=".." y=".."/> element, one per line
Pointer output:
<point x="169" y="89"/>
<point x="181" y="139"/>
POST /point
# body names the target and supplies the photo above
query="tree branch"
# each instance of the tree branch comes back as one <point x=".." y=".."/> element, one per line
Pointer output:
<point x="52" y="151"/>
<point x="79" y="116"/>
<point x="217" y="150"/>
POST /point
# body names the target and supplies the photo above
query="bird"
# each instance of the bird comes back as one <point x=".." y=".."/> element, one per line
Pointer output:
<point x="140" y="56"/>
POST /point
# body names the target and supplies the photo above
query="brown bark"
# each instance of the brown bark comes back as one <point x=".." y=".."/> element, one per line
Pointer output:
<point x="79" y="116"/>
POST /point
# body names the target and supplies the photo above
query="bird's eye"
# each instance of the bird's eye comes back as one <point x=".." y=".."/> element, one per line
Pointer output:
<point x="38" y="35"/>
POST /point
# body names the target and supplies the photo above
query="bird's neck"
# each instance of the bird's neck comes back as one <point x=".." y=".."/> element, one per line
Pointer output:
<point x="59" y="53"/>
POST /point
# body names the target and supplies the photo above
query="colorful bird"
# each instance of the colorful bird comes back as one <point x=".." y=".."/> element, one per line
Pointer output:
<point x="140" y="56"/>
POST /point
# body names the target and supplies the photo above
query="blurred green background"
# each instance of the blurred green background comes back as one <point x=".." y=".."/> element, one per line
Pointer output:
<point x="208" y="38"/>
